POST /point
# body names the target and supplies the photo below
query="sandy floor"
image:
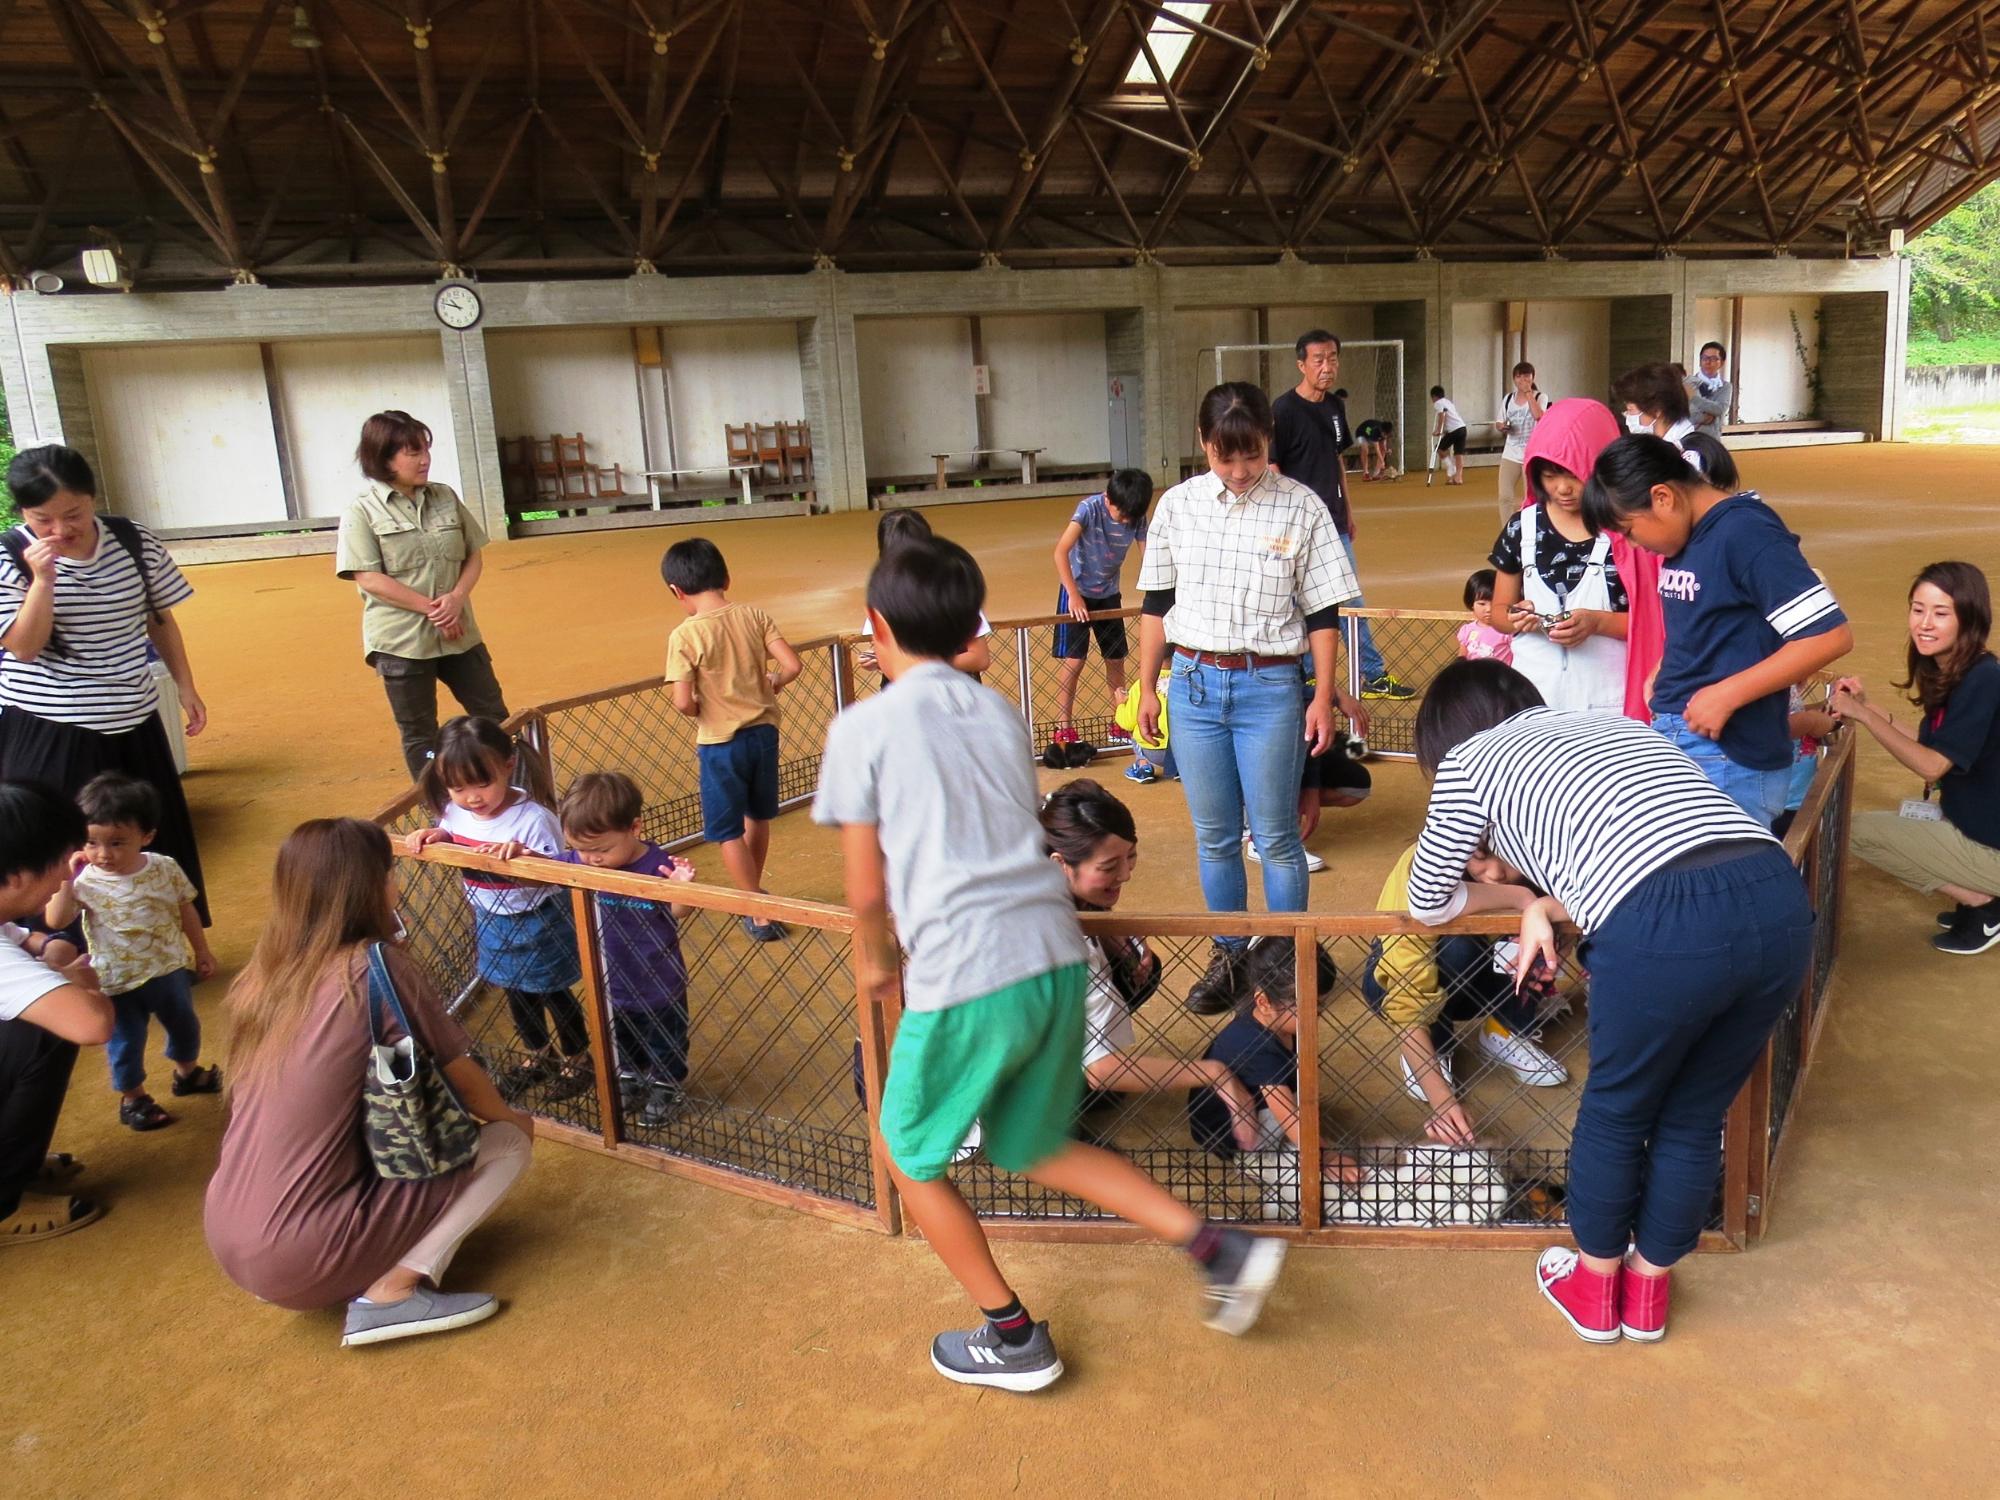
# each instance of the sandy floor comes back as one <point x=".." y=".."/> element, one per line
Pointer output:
<point x="661" y="1337"/>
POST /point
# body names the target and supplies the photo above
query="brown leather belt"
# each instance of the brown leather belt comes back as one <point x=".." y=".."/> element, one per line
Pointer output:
<point x="1234" y="661"/>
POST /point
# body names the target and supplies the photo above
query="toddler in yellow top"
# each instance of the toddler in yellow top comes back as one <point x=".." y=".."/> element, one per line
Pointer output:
<point x="146" y="942"/>
<point x="726" y="663"/>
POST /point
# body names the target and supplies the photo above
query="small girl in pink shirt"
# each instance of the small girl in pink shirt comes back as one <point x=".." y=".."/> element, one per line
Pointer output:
<point x="1477" y="639"/>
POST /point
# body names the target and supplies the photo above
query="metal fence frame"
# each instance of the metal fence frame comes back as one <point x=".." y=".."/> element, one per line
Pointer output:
<point x="569" y="731"/>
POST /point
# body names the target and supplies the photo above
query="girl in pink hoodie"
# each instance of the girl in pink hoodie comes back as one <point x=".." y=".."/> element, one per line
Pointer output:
<point x="1564" y="446"/>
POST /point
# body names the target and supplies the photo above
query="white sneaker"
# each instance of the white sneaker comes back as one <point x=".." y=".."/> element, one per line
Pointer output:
<point x="1416" y="1090"/>
<point x="969" y="1148"/>
<point x="1314" y="864"/>
<point x="1521" y="1057"/>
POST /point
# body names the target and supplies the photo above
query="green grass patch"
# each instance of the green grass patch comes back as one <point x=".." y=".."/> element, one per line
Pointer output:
<point x="1982" y="348"/>
<point x="1953" y="424"/>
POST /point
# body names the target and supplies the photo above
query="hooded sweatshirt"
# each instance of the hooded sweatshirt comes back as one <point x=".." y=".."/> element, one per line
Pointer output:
<point x="1571" y="435"/>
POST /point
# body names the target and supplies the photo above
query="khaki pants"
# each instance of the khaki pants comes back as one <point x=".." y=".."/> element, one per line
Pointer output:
<point x="1924" y="854"/>
<point x="503" y="1156"/>
<point x="1510" y="489"/>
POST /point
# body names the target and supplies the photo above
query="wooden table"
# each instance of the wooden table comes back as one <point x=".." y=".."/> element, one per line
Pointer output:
<point x="1028" y="457"/>
<point x="741" y="471"/>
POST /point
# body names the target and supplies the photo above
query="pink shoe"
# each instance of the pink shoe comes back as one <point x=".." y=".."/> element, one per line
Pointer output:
<point x="1642" y="1302"/>
<point x="1587" y="1298"/>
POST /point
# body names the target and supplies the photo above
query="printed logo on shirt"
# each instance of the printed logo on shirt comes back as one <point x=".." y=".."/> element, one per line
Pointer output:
<point x="1284" y="545"/>
<point x="1679" y="583"/>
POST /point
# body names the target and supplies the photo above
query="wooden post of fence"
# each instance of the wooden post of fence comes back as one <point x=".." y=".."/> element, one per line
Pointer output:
<point x="596" y="1016"/>
<point x="842" y="656"/>
<point x="873" y="1026"/>
<point x="1311" y="1176"/>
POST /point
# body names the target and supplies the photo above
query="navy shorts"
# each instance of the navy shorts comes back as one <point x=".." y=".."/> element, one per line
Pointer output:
<point x="739" y="779"/>
<point x="1453" y="441"/>
<point x="1073" y="640"/>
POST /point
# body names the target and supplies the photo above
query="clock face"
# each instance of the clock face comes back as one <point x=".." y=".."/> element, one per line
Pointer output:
<point x="457" y="306"/>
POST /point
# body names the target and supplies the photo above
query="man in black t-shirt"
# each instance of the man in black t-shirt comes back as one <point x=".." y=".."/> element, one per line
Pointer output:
<point x="1311" y="434"/>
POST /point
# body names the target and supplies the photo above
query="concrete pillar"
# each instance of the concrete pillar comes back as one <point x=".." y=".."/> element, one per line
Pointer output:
<point x="830" y="374"/>
<point x="29" y="378"/>
<point x="1420" y="323"/>
<point x="469" y="390"/>
<point x="1895" y="354"/>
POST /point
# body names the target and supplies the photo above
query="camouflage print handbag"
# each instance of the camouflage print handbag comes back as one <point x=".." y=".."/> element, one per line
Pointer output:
<point x="415" y="1125"/>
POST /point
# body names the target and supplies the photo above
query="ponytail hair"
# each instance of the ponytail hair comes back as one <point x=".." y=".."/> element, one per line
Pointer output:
<point x="1235" y="420"/>
<point x="1622" y="481"/>
<point x="1080" y="815"/>
<point x="472" y="749"/>
<point x="1708" y="458"/>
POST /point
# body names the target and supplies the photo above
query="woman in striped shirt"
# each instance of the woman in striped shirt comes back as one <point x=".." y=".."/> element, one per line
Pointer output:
<point x="82" y="596"/>
<point x="1696" y="931"/>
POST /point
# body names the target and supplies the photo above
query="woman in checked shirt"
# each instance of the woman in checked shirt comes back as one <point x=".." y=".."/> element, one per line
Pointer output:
<point x="1244" y="575"/>
<point x="1696" y="932"/>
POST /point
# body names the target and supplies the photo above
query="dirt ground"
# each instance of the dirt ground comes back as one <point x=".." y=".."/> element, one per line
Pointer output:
<point x="660" y="1337"/>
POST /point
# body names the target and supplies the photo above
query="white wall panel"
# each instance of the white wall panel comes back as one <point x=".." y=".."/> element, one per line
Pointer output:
<point x="570" y="380"/>
<point x="1479" y="362"/>
<point x="328" y="387"/>
<point x="1711" y="321"/>
<point x="184" y="434"/>
<point x="1197" y="332"/>
<point x="722" y="374"/>
<point x="1569" y="344"/>
<point x="916" y="391"/>
<point x="1049" y="385"/>
<point x="1770" y="370"/>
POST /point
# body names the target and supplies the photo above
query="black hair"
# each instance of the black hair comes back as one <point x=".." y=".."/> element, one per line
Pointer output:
<point x="471" y="750"/>
<point x="1468" y="698"/>
<point x="899" y="526"/>
<point x="1436" y="392"/>
<point x="39" y="829"/>
<point x="1235" y="420"/>
<point x="1316" y="336"/>
<point x="37" y="475"/>
<point x="1271" y="970"/>
<point x="929" y="593"/>
<point x="112" y="798"/>
<point x="1621" y="482"/>
<point x="1933" y="679"/>
<point x="1479" y="586"/>
<point x="385" y="435"/>
<point x="1079" y="815"/>
<point x="1657" y="390"/>
<point x="1524" y="368"/>
<point x="695" y="566"/>
<point x="1711" y="459"/>
<point x="1129" y="492"/>
<point x="1388" y="426"/>
<point x="1716" y="346"/>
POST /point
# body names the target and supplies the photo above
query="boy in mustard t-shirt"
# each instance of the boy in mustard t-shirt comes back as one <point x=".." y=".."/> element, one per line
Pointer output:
<point x="725" y="665"/>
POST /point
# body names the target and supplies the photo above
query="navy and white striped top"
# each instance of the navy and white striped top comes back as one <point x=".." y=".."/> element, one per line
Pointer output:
<point x="99" y="679"/>
<point x="1585" y="805"/>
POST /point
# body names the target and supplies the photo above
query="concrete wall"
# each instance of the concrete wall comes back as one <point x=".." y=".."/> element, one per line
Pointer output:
<point x="1569" y="344"/>
<point x="1151" y="317"/>
<point x="326" y="388"/>
<point x="916" y="391"/>
<point x="569" y="381"/>
<point x="1852" y="370"/>
<point x="727" y="373"/>
<point x="1479" y="362"/>
<point x="1048" y="373"/>
<point x="1642" y="332"/>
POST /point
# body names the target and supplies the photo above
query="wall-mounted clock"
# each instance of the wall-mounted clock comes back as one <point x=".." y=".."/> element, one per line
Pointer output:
<point x="457" y="306"/>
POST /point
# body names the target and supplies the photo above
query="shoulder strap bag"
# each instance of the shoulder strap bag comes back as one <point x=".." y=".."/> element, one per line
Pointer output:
<point x="415" y="1125"/>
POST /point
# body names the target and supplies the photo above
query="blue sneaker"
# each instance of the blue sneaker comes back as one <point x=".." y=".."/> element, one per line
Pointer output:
<point x="1143" y="772"/>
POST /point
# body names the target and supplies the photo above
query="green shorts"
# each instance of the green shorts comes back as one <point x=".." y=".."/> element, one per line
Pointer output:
<point x="1011" y="1060"/>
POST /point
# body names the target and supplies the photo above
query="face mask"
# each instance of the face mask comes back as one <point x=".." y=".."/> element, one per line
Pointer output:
<point x="1636" y="422"/>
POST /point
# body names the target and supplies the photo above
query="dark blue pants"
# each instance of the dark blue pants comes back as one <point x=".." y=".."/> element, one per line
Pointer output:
<point x="653" y="1044"/>
<point x="171" y="998"/>
<point x="1687" y="980"/>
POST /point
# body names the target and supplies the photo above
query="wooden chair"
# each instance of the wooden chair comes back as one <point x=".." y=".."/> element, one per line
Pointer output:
<point x="610" y="481"/>
<point x="770" y="452"/>
<point x="545" y="470"/>
<point x="740" y="442"/>
<point x="517" y="471"/>
<point x="797" y="440"/>
<point x="576" y="478"/>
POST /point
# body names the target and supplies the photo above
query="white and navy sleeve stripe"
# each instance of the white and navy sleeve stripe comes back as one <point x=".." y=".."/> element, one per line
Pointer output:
<point x="1798" y="616"/>
<point x="1586" y="806"/>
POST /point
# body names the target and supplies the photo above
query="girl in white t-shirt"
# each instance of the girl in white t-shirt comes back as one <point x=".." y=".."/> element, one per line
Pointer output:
<point x="526" y="936"/>
<point x="1090" y="835"/>
<point x="1521" y="409"/>
<point x="1449" y="431"/>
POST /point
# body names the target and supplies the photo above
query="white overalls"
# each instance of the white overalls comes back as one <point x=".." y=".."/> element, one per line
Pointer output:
<point x="1589" y="678"/>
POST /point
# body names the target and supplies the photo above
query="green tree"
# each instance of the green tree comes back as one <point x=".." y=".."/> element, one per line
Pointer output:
<point x="1955" y="268"/>
<point x="8" y="515"/>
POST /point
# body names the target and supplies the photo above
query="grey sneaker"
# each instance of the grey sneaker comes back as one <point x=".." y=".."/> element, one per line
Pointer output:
<point x="664" y="1103"/>
<point x="423" y="1311"/>
<point x="981" y="1357"/>
<point x="1235" y="1295"/>
<point x="762" y="932"/>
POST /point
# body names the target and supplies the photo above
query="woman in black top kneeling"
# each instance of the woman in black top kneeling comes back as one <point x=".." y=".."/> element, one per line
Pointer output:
<point x="1953" y="845"/>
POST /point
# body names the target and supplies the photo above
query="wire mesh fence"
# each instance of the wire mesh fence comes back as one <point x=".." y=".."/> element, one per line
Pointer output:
<point x="1433" y="1100"/>
<point x="1415" y="645"/>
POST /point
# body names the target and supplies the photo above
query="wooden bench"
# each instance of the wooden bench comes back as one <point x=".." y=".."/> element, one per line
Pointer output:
<point x="1028" y="456"/>
<point x="653" y="477"/>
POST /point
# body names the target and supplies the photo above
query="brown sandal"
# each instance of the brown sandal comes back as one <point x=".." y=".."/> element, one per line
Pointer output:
<point x="43" y="1217"/>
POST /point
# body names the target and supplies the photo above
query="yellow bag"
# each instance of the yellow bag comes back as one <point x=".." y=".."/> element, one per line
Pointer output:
<point x="1127" y="716"/>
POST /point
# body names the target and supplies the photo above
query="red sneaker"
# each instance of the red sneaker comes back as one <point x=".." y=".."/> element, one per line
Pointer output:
<point x="1587" y="1298"/>
<point x="1642" y="1302"/>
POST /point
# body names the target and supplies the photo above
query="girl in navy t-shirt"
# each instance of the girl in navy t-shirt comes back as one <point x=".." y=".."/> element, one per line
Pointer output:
<point x="1746" y="616"/>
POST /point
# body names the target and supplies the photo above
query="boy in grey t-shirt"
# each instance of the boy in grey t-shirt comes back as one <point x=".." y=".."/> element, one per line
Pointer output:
<point x="992" y="1026"/>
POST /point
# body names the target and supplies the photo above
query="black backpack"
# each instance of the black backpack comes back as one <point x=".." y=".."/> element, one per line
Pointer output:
<point x="124" y="531"/>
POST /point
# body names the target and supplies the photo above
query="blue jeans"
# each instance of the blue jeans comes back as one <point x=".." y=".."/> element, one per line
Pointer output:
<point x="1239" y="741"/>
<point x="1372" y="665"/>
<point x="1687" y="979"/>
<point x="171" y="998"/>
<point x="739" y="779"/>
<point x="1759" y="793"/>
